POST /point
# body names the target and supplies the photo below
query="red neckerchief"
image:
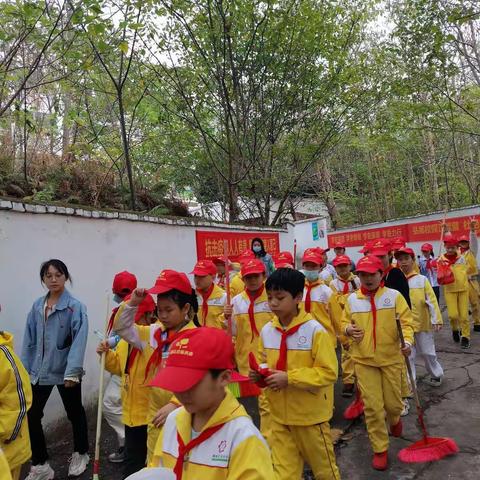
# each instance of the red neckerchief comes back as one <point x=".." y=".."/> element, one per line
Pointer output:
<point x="111" y="320"/>
<point x="282" y="359"/>
<point x="429" y="264"/>
<point x="463" y="250"/>
<point x="371" y="295"/>
<point x="134" y="352"/>
<point x="251" y="309"/>
<point x="451" y="259"/>
<point x="221" y="281"/>
<point x="205" y="297"/>
<point x="308" y="298"/>
<point x="156" y="359"/>
<point x="346" y="287"/>
<point x="183" y="449"/>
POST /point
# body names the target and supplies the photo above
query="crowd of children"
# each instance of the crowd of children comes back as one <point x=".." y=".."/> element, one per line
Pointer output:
<point x="174" y="352"/>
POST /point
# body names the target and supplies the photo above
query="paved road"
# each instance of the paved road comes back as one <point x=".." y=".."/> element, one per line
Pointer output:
<point x="452" y="410"/>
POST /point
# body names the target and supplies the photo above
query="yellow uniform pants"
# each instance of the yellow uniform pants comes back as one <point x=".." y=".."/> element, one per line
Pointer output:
<point x="473" y="297"/>
<point x="264" y="410"/>
<point x="152" y="437"/>
<point x="457" y="307"/>
<point x="348" y="372"/>
<point x="381" y="389"/>
<point x="293" y="445"/>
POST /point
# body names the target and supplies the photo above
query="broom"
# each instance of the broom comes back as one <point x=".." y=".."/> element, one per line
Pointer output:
<point x="428" y="449"/>
<point x="96" y="462"/>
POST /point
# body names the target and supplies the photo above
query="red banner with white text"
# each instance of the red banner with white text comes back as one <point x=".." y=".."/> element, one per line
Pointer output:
<point x="411" y="232"/>
<point x="210" y="243"/>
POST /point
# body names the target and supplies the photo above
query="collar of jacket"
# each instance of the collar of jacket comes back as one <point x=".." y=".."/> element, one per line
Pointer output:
<point x="262" y="298"/>
<point x="380" y="291"/>
<point x="62" y="304"/>
<point x="227" y="410"/>
<point x="6" y="339"/>
<point x="302" y="317"/>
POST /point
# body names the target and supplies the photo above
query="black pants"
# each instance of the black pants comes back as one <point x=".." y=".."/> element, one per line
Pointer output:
<point x="72" y="402"/>
<point x="135" y="449"/>
<point x="436" y="291"/>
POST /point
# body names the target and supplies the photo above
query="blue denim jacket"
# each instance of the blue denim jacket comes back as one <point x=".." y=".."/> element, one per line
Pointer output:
<point x="54" y="350"/>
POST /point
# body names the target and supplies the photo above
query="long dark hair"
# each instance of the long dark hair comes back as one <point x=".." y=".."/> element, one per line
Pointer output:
<point x="58" y="265"/>
<point x="181" y="299"/>
<point x="262" y="252"/>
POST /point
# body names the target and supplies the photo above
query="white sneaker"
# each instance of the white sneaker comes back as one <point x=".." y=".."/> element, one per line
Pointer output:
<point x="78" y="464"/>
<point x="41" y="472"/>
<point x="406" y="407"/>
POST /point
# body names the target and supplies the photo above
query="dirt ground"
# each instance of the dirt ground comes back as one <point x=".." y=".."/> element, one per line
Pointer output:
<point x="452" y="410"/>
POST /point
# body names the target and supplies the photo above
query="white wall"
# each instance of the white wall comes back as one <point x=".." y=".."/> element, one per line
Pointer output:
<point x="94" y="249"/>
<point x="352" y="252"/>
<point x="304" y="237"/>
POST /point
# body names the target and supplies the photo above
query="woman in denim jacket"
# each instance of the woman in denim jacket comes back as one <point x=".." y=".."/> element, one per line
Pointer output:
<point x="53" y="351"/>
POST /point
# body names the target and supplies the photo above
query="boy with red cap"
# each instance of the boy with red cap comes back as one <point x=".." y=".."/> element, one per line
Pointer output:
<point x="456" y="293"/>
<point x="211" y="298"/>
<point x="250" y="313"/>
<point x="428" y="267"/>
<point x="236" y="285"/>
<point x="345" y="284"/>
<point x="426" y="316"/>
<point x="303" y="369"/>
<point x="469" y="249"/>
<point x="130" y="364"/>
<point x="283" y="260"/>
<point x="211" y="436"/>
<point x="369" y="319"/>
<point x="176" y="308"/>
<point x="327" y="272"/>
<point x="124" y="283"/>
<point x="317" y="296"/>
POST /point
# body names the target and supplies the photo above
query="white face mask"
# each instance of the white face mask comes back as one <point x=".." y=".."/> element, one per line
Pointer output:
<point x="257" y="248"/>
<point x="311" y="275"/>
<point x="117" y="298"/>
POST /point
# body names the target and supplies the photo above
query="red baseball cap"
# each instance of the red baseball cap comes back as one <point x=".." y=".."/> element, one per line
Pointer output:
<point x="252" y="266"/>
<point x="341" y="260"/>
<point x="245" y="256"/>
<point x="464" y="238"/>
<point x="339" y="245"/>
<point x="146" y="305"/>
<point x="124" y="282"/>
<point x="283" y="259"/>
<point x="398" y="242"/>
<point x="313" y="255"/>
<point x="369" y="264"/>
<point x="171" y="280"/>
<point x="204" y="268"/>
<point x="366" y="247"/>
<point x="404" y="250"/>
<point x="426" y="247"/>
<point x="322" y="251"/>
<point x="382" y="246"/>
<point x="192" y="355"/>
<point x="450" y="240"/>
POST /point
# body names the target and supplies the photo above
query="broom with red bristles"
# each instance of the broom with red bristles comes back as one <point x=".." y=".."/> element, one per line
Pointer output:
<point x="428" y="449"/>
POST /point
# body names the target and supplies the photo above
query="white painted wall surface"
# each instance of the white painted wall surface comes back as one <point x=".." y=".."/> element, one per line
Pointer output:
<point x="304" y="236"/>
<point x="94" y="249"/>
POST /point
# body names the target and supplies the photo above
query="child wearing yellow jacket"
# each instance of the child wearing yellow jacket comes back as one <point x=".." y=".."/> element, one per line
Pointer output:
<point x="211" y="298"/>
<point x="303" y="369"/>
<point x="15" y="400"/>
<point x="426" y="316"/>
<point x="317" y="296"/>
<point x="250" y="312"/>
<point x="211" y="436"/>
<point x="176" y="310"/>
<point x="456" y="293"/>
<point x="469" y="249"/>
<point x="130" y="363"/>
<point x="342" y="286"/>
<point x="370" y="319"/>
